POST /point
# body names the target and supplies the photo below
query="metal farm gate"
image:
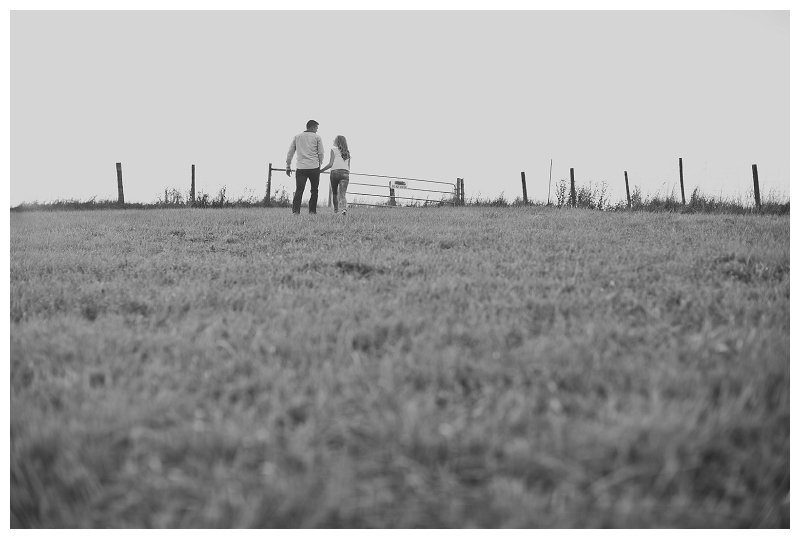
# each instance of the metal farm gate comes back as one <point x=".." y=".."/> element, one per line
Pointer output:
<point x="456" y="193"/>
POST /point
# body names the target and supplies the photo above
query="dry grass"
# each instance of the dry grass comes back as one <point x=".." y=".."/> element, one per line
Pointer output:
<point x="491" y="367"/>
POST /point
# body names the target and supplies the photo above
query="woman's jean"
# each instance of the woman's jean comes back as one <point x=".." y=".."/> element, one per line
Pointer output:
<point x="339" y="181"/>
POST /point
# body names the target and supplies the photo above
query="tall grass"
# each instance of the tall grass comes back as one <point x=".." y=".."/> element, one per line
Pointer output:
<point x="588" y="196"/>
<point x="170" y="198"/>
<point x="594" y="196"/>
<point x="699" y="202"/>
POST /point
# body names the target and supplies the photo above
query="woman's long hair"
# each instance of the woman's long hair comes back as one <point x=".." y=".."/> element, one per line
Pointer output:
<point x="341" y="143"/>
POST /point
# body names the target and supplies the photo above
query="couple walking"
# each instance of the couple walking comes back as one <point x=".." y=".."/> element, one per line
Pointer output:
<point x="310" y="154"/>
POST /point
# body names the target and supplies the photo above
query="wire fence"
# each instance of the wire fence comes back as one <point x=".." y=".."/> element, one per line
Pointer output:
<point x="567" y="194"/>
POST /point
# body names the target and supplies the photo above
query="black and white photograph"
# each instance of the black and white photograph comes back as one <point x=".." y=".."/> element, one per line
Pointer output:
<point x="398" y="265"/>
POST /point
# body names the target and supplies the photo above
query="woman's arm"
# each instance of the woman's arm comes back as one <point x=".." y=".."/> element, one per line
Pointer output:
<point x="329" y="165"/>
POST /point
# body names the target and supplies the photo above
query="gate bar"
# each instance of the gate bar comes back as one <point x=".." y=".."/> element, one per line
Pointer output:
<point x="405" y="198"/>
<point x="377" y="176"/>
<point x="413" y="188"/>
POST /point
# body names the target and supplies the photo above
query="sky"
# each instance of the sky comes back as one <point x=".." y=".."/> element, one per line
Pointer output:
<point x="481" y="95"/>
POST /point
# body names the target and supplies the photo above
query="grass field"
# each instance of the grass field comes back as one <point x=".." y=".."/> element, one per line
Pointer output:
<point x="429" y="367"/>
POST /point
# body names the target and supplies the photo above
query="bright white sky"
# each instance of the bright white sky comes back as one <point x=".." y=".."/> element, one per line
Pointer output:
<point x="481" y="95"/>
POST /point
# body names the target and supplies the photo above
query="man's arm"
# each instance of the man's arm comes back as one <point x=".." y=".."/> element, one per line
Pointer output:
<point x="292" y="149"/>
<point x="320" y="150"/>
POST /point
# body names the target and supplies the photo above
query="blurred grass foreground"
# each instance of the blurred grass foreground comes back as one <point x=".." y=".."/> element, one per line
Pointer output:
<point x="425" y="367"/>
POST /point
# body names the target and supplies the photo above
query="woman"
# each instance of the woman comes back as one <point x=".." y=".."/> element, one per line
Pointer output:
<point x="340" y="173"/>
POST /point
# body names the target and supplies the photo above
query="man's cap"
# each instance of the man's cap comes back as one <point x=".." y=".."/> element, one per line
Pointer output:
<point x="311" y="123"/>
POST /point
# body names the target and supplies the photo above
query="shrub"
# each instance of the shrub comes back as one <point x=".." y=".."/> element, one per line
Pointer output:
<point x="591" y="197"/>
<point x="219" y="202"/>
<point x="500" y="201"/>
<point x="201" y="200"/>
<point x="562" y="191"/>
<point x="172" y="197"/>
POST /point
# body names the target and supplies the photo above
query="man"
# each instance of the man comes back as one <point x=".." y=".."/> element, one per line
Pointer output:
<point x="310" y="153"/>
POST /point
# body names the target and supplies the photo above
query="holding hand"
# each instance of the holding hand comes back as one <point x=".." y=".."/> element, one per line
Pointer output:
<point x="288" y="171"/>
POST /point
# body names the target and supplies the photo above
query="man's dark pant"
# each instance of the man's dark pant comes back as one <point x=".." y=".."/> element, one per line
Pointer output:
<point x="300" y="177"/>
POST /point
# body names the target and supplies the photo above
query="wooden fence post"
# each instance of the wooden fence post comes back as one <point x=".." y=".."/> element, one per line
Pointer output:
<point x="628" y="190"/>
<point x="549" y="181"/>
<point x="572" y="187"/>
<point x="120" y="194"/>
<point x="269" y="186"/>
<point x="191" y="195"/>
<point x="461" y="191"/>
<point x="756" y="189"/>
<point x="392" y="200"/>
<point x="680" y="167"/>
<point x="524" y="190"/>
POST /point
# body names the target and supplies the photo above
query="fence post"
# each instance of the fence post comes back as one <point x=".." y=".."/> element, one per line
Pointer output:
<point x="461" y="192"/>
<point x="549" y="181"/>
<point x="628" y="190"/>
<point x="756" y="190"/>
<point x="330" y="194"/>
<point x="392" y="200"/>
<point x="524" y="190"/>
<point x="191" y="195"/>
<point x="120" y="194"/>
<point x="680" y="167"/>
<point x="572" y="187"/>
<point x="269" y="186"/>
